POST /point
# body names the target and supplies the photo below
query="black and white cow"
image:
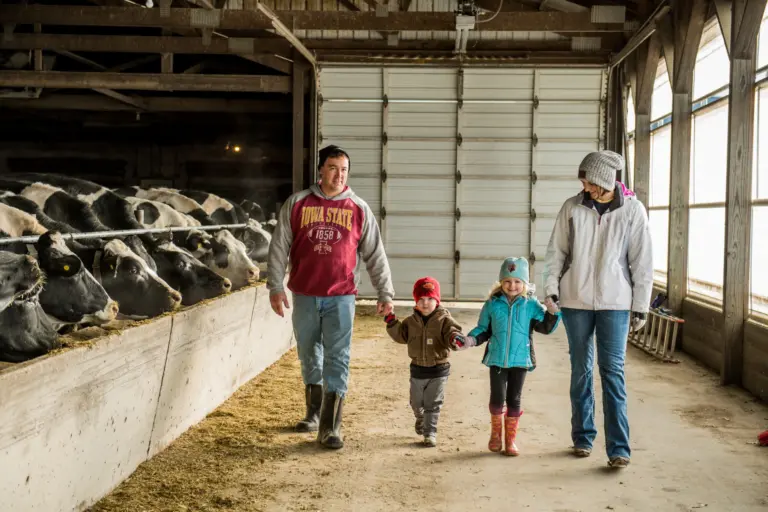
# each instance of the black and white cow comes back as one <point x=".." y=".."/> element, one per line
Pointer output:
<point x="20" y="278"/>
<point x="26" y="331"/>
<point x="221" y="210"/>
<point x="253" y="210"/>
<point x="153" y="214"/>
<point x="15" y="223"/>
<point x="30" y="207"/>
<point x="222" y="252"/>
<point x="188" y="275"/>
<point x="56" y="203"/>
<point x="127" y="278"/>
<point x="71" y="294"/>
<point x="172" y="198"/>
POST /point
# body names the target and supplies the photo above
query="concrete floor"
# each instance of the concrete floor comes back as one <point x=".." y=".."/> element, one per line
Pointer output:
<point x="693" y="442"/>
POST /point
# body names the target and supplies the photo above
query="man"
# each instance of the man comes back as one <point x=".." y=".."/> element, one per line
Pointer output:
<point x="323" y="230"/>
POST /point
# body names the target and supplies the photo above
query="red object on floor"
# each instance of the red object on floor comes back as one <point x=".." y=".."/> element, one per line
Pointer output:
<point x="763" y="438"/>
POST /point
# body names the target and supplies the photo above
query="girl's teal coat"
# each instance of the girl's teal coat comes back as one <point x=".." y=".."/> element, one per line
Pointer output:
<point x="510" y="344"/>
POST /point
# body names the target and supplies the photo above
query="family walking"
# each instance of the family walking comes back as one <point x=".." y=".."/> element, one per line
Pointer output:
<point x="597" y="281"/>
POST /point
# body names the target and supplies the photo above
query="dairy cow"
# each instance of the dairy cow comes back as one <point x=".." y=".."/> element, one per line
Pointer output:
<point x="25" y="330"/>
<point x="20" y="278"/>
<point x="127" y="278"/>
<point x="153" y="214"/>
<point x="71" y="294"/>
<point x="219" y="209"/>
<point x="30" y="207"/>
<point x="15" y="223"/>
<point x="253" y="210"/>
<point x="220" y="252"/>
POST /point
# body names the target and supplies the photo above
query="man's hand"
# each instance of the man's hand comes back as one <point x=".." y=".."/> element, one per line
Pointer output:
<point x="384" y="308"/>
<point x="277" y="301"/>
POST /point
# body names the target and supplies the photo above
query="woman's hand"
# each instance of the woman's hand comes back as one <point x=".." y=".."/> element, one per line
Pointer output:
<point x="552" y="304"/>
<point x="637" y="321"/>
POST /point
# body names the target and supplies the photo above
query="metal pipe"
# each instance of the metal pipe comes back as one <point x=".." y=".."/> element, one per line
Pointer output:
<point x="121" y="232"/>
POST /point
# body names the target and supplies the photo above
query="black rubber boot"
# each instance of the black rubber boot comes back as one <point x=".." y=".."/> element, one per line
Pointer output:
<point x="329" y="433"/>
<point x="314" y="397"/>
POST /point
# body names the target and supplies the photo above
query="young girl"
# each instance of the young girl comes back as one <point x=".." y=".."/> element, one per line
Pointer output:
<point x="507" y="321"/>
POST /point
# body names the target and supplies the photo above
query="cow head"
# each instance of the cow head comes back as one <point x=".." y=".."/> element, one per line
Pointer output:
<point x="228" y="258"/>
<point x="253" y="210"/>
<point x="71" y="294"/>
<point x="196" y="242"/>
<point x="135" y="244"/>
<point x="26" y="331"/>
<point x="188" y="275"/>
<point x="128" y="279"/>
<point x="20" y="278"/>
<point x="256" y="240"/>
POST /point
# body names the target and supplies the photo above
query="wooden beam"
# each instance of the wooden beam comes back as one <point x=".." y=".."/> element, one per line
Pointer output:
<point x="128" y="100"/>
<point x="152" y="104"/>
<point x="667" y="34"/>
<point x="81" y="59"/>
<point x="366" y="45"/>
<point x="271" y="61"/>
<point x="688" y="25"/>
<point x="144" y="44"/>
<point x="145" y="81"/>
<point x="296" y="20"/>
<point x="723" y="9"/>
<point x="298" y="126"/>
<point x="38" y="57"/>
<point x="647" y="61"/>
<point x="741" y="114"/>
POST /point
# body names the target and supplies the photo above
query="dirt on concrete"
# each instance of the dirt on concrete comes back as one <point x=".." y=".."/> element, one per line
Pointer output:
<point x="694" y="444"/>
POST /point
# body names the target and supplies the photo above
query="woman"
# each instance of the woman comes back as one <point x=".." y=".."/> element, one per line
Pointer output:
<point x="599" y="270"/>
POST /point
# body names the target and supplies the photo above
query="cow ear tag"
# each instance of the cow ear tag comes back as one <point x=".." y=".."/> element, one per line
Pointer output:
<point x="66" y="268"/>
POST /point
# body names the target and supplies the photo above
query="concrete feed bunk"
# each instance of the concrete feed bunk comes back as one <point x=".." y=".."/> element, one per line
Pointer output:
<point x="75" y="424"/>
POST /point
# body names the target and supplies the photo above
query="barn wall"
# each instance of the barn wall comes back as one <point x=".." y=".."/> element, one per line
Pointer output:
<point x="75" y="425"/>
<point x="702" y="333"/>
<point x="755" y="376"/>
<point x="179" y="149"/>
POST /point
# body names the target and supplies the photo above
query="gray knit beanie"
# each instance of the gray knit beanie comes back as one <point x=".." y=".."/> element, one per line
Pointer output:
<point x="599" y="168"/>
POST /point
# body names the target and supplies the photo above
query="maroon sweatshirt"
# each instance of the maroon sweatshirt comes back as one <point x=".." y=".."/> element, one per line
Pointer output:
<point x="321" y="237"/>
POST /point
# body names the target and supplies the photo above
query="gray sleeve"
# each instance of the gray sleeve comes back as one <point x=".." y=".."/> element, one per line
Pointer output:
<point x="372" y="252"/>
<point x="640" y="256"/>
<point x="280" y="248"/>
<point x="557" y="252"/>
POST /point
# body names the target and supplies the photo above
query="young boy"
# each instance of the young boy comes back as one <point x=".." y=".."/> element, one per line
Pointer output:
<point x="430" y="333"/>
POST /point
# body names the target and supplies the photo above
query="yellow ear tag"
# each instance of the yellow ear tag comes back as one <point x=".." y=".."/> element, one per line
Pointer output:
<point x="66" y="268"/>
<point x="112" y="267"/>
<point x="199" y="246"/>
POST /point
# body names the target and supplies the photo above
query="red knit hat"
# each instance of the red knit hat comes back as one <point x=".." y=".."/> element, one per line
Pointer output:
<point x="426" y="287"/>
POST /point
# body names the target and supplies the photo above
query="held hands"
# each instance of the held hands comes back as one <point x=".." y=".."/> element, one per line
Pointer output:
<point x="384" y="308"/>
<point x="637" y="321"/>
<point x="552" y="303"/>
<point x="461" y="342"/>
<point x="390" y="318"/>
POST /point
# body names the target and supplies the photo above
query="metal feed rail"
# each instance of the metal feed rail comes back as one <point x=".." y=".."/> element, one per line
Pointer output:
<point x="120" y="232"/>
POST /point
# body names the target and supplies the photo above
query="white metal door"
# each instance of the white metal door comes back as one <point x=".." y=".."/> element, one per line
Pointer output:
<point x="462" y="167"/>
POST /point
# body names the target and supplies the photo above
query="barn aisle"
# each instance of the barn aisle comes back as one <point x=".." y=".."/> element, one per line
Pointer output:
<point x="693" y="444"/>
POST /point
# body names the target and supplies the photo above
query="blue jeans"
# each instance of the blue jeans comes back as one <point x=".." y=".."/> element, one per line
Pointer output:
<point x="323" y="330"/>
<point x="612" y="328"/>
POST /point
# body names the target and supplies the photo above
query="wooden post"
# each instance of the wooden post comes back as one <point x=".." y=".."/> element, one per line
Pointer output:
<point x="681" y="37"/>
<point x="647" y="62"/>
<point x="298" y="124"/>
<point x="746" y="16"/>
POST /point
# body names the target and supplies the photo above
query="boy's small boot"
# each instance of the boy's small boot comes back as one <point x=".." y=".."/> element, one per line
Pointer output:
<point x="510" y="427"/>
<point x="496" y="428"/>
<point x="313" y="395"/>
<point x="329" y="431"/>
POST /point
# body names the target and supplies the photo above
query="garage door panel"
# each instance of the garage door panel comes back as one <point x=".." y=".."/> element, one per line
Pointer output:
<point x="478" y="277"/>
<point x="570" y="84"/>
<point x="368" y="188"/>
<point x="422" y="120"/>
<point x="365" y="155"/>
<point x="495" y="198"/>
<point x="351" y="119"/>
<point x="491" y="120"/>
<point x="351" y="83"/>
<point x="422" y="84"/>
<point x="431" y="237"/>
<point x="496" y="159"/>
<point x="422" y="157"/>
<point x="570" y="122"/>
<point x="490" y="84"/>
<point x="406" y="271"/>
<point x="561" y="159"/>
<point x="429" y="196"/>
<point x="549" y="196"/>
<point x="493" y="237"/>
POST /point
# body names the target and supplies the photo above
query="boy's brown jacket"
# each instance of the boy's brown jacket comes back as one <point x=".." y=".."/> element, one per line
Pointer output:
<point x="428" y="344"/>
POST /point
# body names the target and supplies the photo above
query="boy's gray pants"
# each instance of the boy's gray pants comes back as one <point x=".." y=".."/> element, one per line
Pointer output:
<point x="427" y="400"/>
